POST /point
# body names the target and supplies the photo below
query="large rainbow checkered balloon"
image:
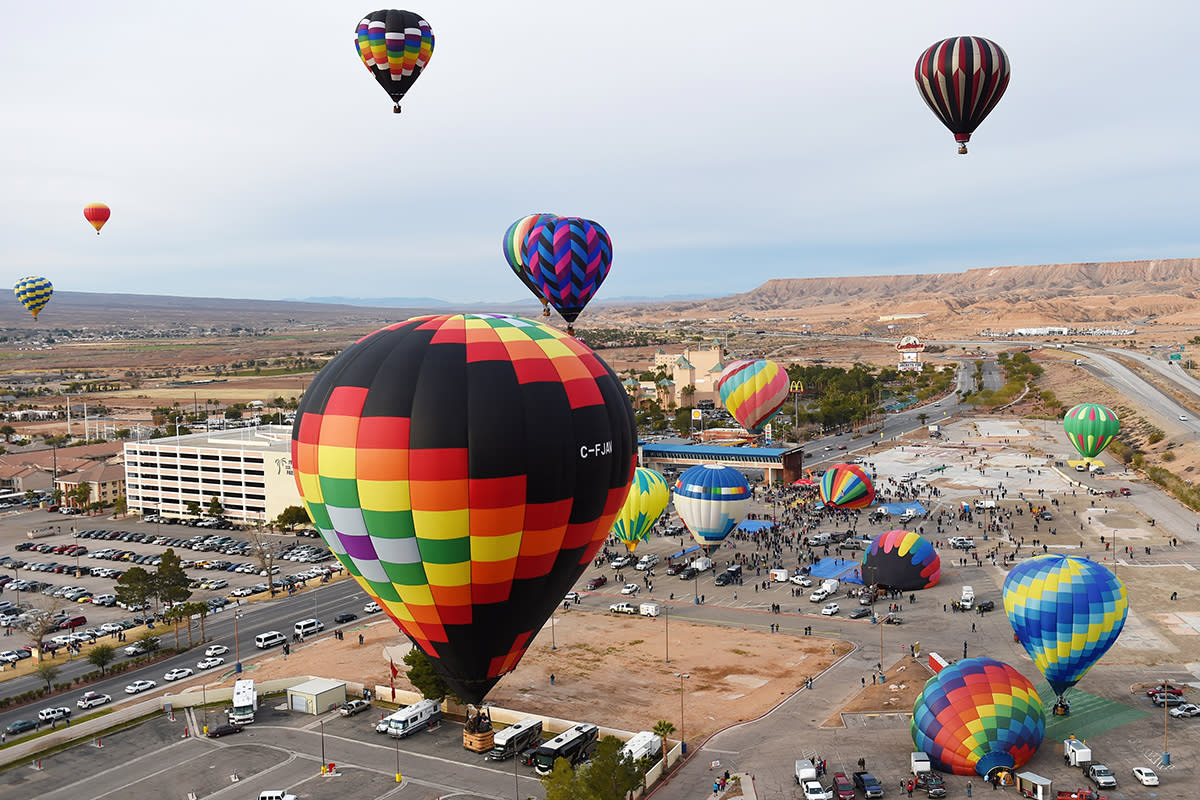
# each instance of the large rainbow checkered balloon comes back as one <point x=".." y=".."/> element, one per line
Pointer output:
<point x="1066" y="611"/>
<point x="465" y="469"/>
<point x="846" y="487"/>
<point x="753" y="391"/>
<point x="978" y="715"/>
<point x="901" y="560"/>
<point x="647" y="500"/>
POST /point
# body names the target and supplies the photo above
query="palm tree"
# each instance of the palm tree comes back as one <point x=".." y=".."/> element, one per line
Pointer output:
<point x="663" y="729"/>
<point x="190" y="610"/>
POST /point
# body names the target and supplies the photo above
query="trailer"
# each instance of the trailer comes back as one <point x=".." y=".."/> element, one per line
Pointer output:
<point x="1034" y="786"/>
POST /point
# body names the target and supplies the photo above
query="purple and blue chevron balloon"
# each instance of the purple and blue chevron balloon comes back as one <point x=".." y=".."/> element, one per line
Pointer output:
<point x="567" y="258"/>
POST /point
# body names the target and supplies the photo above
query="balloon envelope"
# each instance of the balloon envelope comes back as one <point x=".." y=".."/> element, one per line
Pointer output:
<point x="465" y="469"/>
<point x="711" y="500"/>
<point x="753" y="391"/>
<point x="647" y="500"/>
<point x="33" y="292"/>
<point x="1091" y="428"/>
<point x="962" y="79"/>
<point x="1066" y="611"/>
<point x="97" y="214"/>
<point x="514" y="250"/>
<point x="976" y="715"/>
<point x="847" y="487"/>
<point x="901" y="560"/>
<point x="395" y="46"/>
<point x="568" y="258"/>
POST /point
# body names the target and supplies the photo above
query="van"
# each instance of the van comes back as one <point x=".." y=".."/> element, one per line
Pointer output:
<point x="648" y="609"/>
<point x="918" y="762"/>
<point x="104" y="600"/>
<point x="307" y="627"/>
<point x="703" y="564"/>
<point x="968" y="598"/>
<point x="269" y="639"/>
<point x="819" y="539"/>
<point x="275" y="794"/>
<point x="805" y="770"/>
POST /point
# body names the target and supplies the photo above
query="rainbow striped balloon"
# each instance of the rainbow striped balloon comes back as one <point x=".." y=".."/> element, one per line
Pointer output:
<point x="1091" y="428"/>
<point x="847" y="487"/>
<point x="753" y="391"/>
<point x="647" y="500"/>
<point x="901" y="560"/>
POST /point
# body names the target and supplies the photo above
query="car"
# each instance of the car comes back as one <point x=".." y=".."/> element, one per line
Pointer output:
<point x="342" y="619"/>
<point x="812" y="790"/>
<point x="687" y="573"/>
<point x="1046" y="516"/>
<point x="53" y="713"/>
<point x="623" y="608"/>
<point x="630" y="588"/>
<point x="216" y="650"/>
<point x="178" y="673"/>
<point x="92" y="699"/>
<point x="675" y="569"/>
<point x="1125" y="492"/>
<point x="866" y="783"/>
<point x="933" y="784"/>
<point x="892" y="619"/>
<point x="596" y="582"/>
<point x="571" y="597"/>
<point x="140" y="686"/>
<point x="827" y="447"/>
<point x="819" y="596"/>
<point x="1081" y="468"/>
<point x="986" y="606"/>
<point x="621" y="562"/>
<point x="843" y="789"/>
<point x="1183" y="417"/>
<point x="646" y="562"/>
<point x="860" y="612"/>
<point x="1163" y="688"/>
<point x="1185" y="710"/>
<point x="1101" y="776"/>
<point x="841" y="447"/>
<point x="1161" y="700"/>
<point x="223" y="730"/>
<point x="1145" y="776"/>
<point x="352" y="707"/>
<point x="209" y="662"/>
<point x="372" y="607"/>
<point x="135" y="649"/>
<point x="830" y="609"/>
<point x="801" y="580"/>
<point x="21" y="726"/>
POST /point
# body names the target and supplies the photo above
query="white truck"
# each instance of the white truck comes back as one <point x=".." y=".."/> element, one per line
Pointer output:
<point x="623" y="608"/>
<point x="779" y="575"/>
<point x="967" y="600"/>
<point x="645" y="744"/>
<point x="648" y="609"/>
<point x="245" y="703"/>
<point x="935" y="431"/>
<point x="703" y="564"/>
<point x="831" y="586"/>
<point x="918" y="762"/>
<point x="1076" y="753"/>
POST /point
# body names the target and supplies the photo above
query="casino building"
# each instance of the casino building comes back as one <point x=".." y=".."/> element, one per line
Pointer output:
<point x="249" y="470"/>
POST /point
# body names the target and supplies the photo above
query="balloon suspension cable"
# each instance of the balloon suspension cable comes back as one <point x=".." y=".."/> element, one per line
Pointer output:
<point x="962" y="148"/>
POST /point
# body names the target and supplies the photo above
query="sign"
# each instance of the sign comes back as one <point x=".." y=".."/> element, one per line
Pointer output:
<point x="796" y="387"/>
<point x="767" y="432"/>
<point x="696" y="414"/>
<point x="1175" y="357"/>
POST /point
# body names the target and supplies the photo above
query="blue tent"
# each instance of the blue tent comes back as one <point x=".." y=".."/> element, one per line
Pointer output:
<point x="754" y="525"/>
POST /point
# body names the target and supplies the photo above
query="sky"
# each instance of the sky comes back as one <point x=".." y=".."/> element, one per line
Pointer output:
<point x="246" y="152"/>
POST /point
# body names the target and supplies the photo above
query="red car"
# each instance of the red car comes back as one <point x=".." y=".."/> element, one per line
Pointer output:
<point x="597" y="582"/>
<point x="1125" y="491"/>
<point x="842" y="788"/>
<point x="1164" y="689"/>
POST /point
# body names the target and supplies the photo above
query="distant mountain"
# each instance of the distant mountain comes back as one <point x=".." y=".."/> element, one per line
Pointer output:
<point x="376" y="302"/>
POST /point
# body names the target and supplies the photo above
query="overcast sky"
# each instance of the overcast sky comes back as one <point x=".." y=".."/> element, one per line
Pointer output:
<point x="246" y="152"/>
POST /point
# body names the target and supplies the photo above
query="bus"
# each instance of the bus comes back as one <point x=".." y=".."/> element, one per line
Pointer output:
<point x="515" y="738"/>
<point x="574" y="744"/>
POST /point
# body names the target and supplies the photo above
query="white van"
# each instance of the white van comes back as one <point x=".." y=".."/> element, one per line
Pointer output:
<point x="269" y="639"/>
<point x="275" y="794"/>
<point x="968" y="598"/>
<point x="307" y="627"/>
<point x="819" y="539"/>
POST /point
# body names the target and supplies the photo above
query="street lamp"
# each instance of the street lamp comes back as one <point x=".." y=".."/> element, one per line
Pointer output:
<point x="396" y="739"/>
<point x="237" y="651"/>
<point x="682" y="739"/>
<point x="667" y="630"/>
<point x="323" y="761"/>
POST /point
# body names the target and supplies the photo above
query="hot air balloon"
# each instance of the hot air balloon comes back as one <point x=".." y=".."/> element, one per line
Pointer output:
<point x="465" y="469"/>
<point x="901" y="560"/>
<point x="395" y="46"/>
<point x="962" y="79"/>
<point x="97" y="214"/>
<point x="514" y="253"/>
<point x="647" y="500"/>
<point x="568" y="258"/>
<point x="33" y="292"/>
<point x="1066" y="611"/>
<point x="846" y="487"/>
<point x="711" y="500"/>
<point x="1091" y="428"/>
<point x="753" y="391"/>
<point x="978" y="715"/>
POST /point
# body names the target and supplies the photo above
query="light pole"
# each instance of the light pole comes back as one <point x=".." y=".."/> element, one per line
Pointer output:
<point x="553" y="644"/>
<point x="237" y="652"/>
<point x="1166" y="754"/>
<point x="667" y="630"/>
<point x="396" y="739"/>
<point x="682" y="738"/>
<point x="323" y="761"/>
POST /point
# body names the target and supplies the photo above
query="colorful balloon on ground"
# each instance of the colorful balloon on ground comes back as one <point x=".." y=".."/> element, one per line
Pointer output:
<point x="753" y="391"/>
<point x="97" y="214"/>
<point x="1066" y="611"/>
<point x="1091" y="428"/>
<point x="514" y="253"/>
<point x="711" y="500"/>
<point x="465" y="469"/>
<point x="567" y="258"/>
<point x="962" y="79"/>
<point x="847" y="487"/>
<point x="647" y="500"/>
<point x="396" y="47"/>
<point x="901" y="560"/>
<point x="978" y="715"/>
<point x="33" y="292"/>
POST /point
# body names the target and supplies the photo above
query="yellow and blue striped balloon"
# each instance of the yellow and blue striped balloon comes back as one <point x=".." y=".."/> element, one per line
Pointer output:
<point x="647" y="500"/>
<point x="34" y="292"/>
<point x="1067" y="612"/>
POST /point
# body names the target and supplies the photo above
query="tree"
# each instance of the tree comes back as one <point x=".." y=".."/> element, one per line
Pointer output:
<point x="82" y="494"/>
<point x="170" y="580"/>
<point x="101" y="656"/>
<point x="215" y="509"/>
<point x="421" y="675"/>
<point x="922" y="417"/>
<point x="174" y="615"/>
<point x="609" y="775"/>
<point x="121" y="505"/>
<point x="193" y="508"/>
<point x="8" y="431"/>
<point x="560" y="784"/>
<point x="264" y="550"/>
<point x="663" y="729"/>
<point x="134" y="587"/>
<point x="30" y="496"/>
<point x="290" y="517"/>
<point x="194" y="609"/>
<point x="47" y="672"/>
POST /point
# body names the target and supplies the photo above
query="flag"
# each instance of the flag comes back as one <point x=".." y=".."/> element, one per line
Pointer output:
<point x="392" y="680"/>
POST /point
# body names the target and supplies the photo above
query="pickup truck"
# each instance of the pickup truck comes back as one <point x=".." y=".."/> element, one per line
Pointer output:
<point x="1101" y="776"/>
<point x="623" y="608"/>
<point x="866" y="783"/>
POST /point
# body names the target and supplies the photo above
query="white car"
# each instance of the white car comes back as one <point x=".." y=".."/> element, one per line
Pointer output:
<point x="801" y="580"/>
<point x="372" y="607"/>
<point x="210" y="662"/>
<point x="1185" y="710"/>
<point x="630" y="588"/>
<point x="812" y="791"/>
<point x="177" y="674"/>
<point x="819" y="596"/>
<point x="830" y="609"/>
<point x="1183" y="417"/>
<point x="91" y="699"/>
<point x="216" y="650"/>
<point x="139" y="686"/>
<point x="571" y="597"/>
<point x="112" y="627"/>
<point x="1145" y="776"/>
<point x="53" y="713"/>
<point x="9" y="657"/>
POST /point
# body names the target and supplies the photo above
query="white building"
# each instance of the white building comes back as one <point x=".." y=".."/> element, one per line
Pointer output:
<point x="249" y="470"/>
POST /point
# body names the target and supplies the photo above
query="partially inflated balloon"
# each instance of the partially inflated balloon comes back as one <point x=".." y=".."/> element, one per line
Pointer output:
<point x="514" y="253"/>
<point x="33" y="292"/>
<point x="396" y="47"/>
<point x="962" y="79"/>
<point x="647" y="500"/>
<point x="568" y="258"/>
<point x="711" y="500"/>
<point x="978" y="715"/>
<point x="97" y="214"/>
<point x="847" y="487"/>
<point x="1091" y="428"/>
<point x="1066" y="611"/>
<point x="901" y="560"/>
<point x="465" y="469"/>
<point x="753" y="391"/>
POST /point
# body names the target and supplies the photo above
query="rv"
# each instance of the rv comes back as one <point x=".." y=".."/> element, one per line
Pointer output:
<point x="245" y="703"/>
<point x="515" y="738"/>
<point x="574" y="744"/>
<point x="408" y="721"/>
<point x="642" y="745"/>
